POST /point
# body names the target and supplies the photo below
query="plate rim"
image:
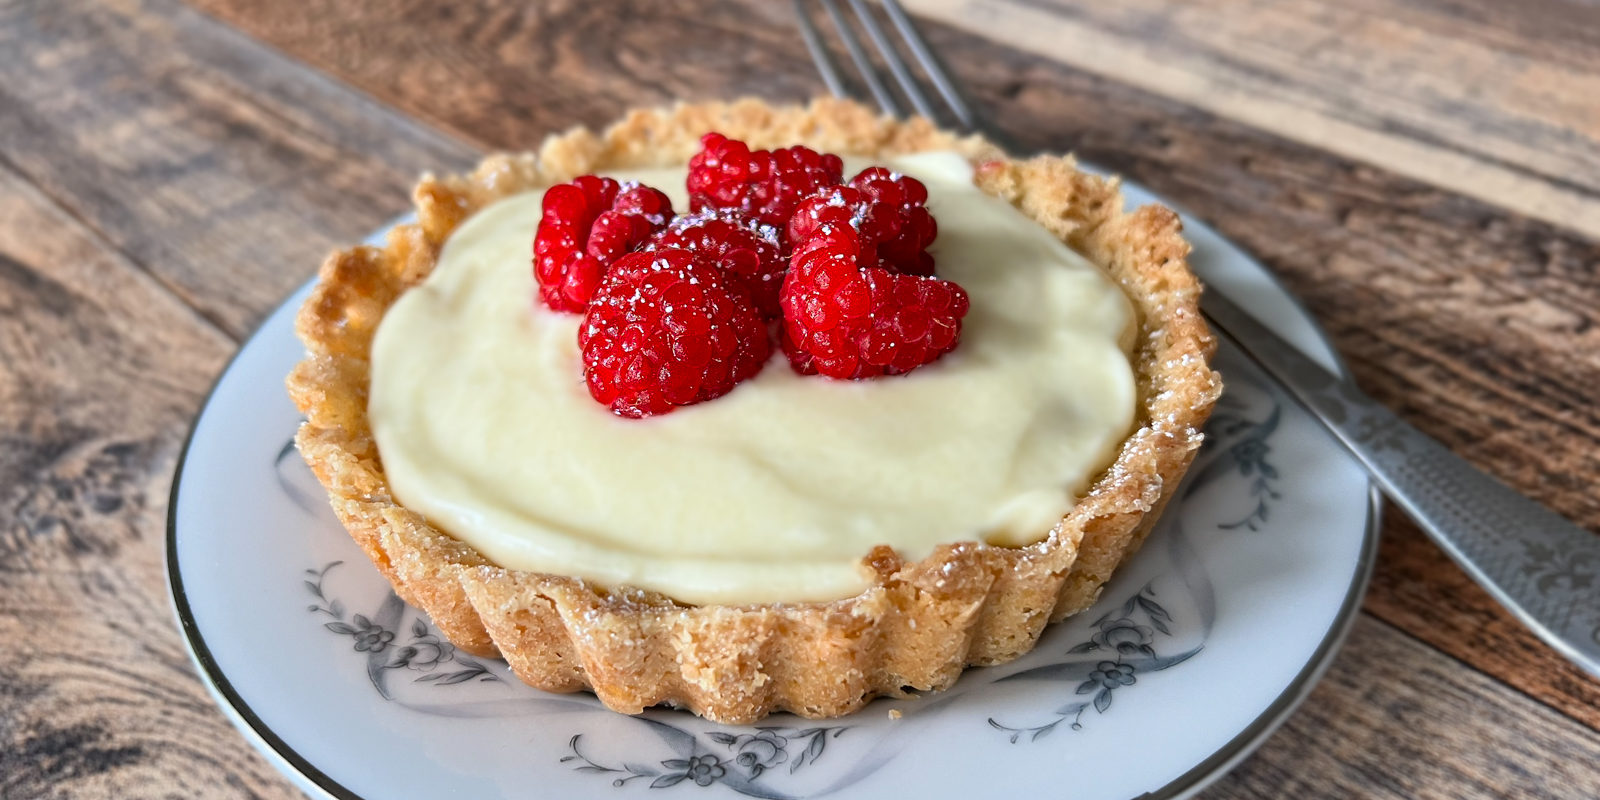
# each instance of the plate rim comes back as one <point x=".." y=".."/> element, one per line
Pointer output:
<point x="234" y="707"/>
<point x="305" y="774"/>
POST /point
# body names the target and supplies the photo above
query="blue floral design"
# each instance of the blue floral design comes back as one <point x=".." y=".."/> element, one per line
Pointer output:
<point x="753" y="754"/>
<point x="424" y="652"/>
<point x="1108" y="675"/>
<point x="1247" y="452"/>
<point x="1126" y="640"/>
<point x="1123" y="645"/>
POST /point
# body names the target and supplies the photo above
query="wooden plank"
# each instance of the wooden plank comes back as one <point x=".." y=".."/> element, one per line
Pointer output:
<point x="1445" y="609"/>
<point x="101" y="370"/>
<point x="1395" y="719"/>
<point x="223" y="168"/>
<point x="1436" y="91"/>
<point x="1475" y="323"/>
<point x="504" y="74"/>
<point x="145" y="149"/>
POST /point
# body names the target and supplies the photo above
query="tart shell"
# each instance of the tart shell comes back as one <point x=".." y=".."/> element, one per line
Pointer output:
<point x="921" y="623"/>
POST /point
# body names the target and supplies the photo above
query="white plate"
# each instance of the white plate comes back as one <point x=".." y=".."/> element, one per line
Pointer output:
<point x="1225" y="618"/>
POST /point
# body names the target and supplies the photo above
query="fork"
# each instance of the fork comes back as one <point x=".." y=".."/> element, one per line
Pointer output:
<point x="1541" y="567"/>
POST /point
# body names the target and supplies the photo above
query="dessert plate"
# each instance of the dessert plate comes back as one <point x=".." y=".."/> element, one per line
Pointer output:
<point x="1200" y="646"/>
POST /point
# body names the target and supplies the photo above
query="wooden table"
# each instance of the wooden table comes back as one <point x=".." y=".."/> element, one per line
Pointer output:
<point x="1425" y="174"/>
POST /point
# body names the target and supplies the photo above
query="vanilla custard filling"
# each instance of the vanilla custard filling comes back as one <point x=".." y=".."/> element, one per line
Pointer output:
<point x="776" y="491"/>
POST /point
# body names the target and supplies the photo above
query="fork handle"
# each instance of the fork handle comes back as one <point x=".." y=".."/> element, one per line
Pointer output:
<point x="1541" y="567"/>
<point x="1537" y="564"/>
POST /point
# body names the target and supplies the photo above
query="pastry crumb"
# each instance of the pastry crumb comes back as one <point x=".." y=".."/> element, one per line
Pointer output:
<point x="894" y="713"/>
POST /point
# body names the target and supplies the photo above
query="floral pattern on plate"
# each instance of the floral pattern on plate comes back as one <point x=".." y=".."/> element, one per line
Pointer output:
<point x="1133" y="638"/>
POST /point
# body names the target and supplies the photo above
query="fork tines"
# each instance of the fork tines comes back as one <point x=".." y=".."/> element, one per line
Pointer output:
<point x="890" y="54"/>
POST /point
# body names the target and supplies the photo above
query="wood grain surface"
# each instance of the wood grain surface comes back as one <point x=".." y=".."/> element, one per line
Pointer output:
<point x="1492" y="100"/>
<point x="103" y="368"/>
<point x="178" y="141"/>
<point x="165" y="180"/>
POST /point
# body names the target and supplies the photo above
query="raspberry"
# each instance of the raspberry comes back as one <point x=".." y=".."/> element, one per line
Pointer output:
<point x="742" y="247"/>
<point x="889" y="212"/>
<point x="587" y="225"/>
<point x="846" y="321"/>
<point x="799" y="360"/>
<point x="767" y="185"/>
<point x="903" y="199"/>
<point x="668" y="329"/>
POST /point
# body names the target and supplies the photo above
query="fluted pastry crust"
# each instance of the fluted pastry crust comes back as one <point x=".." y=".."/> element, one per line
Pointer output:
<point x="922" y="622"/>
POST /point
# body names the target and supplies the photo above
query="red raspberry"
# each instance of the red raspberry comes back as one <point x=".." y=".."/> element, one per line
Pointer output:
<point x="668" y="329"/>
<point x="587" y="225"/>
<point x="889" y="212"/>
<point x="743" y="248"/>
<point x="799" y="360"/>
<point x="904" y="199"/>
<point x="767" y="185"/>
<point x="845" y="321"/>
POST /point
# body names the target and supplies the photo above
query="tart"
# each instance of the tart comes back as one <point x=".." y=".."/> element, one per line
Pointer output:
<point x="917" y="623"/>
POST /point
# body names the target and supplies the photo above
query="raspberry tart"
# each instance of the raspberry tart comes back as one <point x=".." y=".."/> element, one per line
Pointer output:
<point x="791" y="408"/>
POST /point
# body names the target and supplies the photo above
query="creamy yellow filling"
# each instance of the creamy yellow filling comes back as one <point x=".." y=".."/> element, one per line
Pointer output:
<point x="774" y="492"/>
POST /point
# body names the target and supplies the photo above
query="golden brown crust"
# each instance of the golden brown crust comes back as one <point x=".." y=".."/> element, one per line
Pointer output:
<point x="922" y="623"/>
